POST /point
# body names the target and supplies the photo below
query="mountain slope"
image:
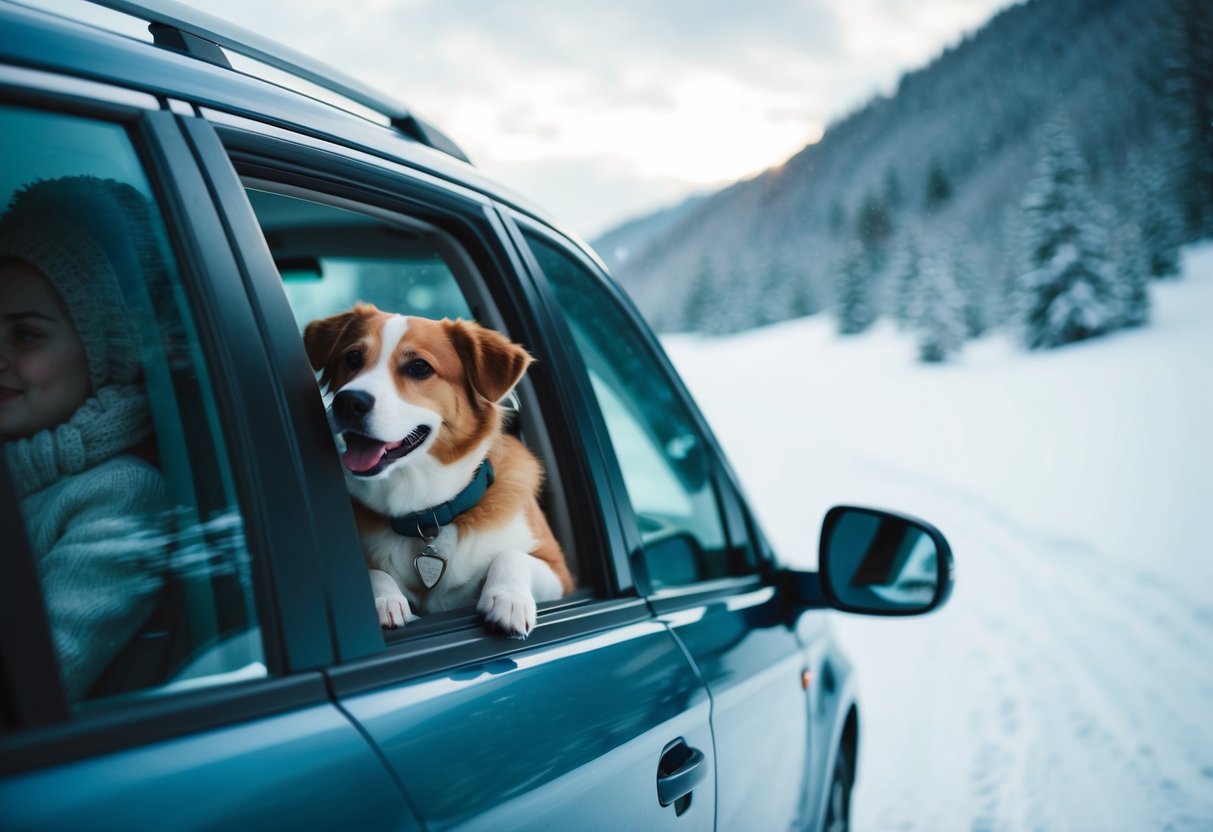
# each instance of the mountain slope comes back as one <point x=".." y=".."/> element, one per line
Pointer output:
<point x="618" y="244"/>
<point x="949" y="154"/>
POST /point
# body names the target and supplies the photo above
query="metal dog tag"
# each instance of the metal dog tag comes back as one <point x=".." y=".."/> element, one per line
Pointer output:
<point x="430" y="566"/>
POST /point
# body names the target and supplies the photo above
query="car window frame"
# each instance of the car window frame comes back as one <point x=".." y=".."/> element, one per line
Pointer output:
<point x="297" y="163"/>
<point x="735" y="517"/>
<point x="293" y="647"/>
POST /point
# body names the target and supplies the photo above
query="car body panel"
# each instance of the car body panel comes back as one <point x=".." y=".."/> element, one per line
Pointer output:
<point x="308" y="769"/>
<point x="739" y="634"/>
<point x="752" y="663"/>
<point x="564" y="736"/>
<point x="831" y="702"/>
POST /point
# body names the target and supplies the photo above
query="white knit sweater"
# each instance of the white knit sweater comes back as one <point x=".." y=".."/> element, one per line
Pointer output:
<point x="91" y="527"/>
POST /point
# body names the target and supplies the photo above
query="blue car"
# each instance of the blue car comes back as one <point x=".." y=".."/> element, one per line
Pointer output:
<point x="188" y="638"/>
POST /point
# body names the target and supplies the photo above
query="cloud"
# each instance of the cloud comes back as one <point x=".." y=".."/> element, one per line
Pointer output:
<point x="616" y="188"/>
<point x="688" y="91"/>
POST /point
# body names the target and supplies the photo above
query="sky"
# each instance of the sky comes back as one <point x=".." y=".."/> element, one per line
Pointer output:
<point x="602" y="111"/>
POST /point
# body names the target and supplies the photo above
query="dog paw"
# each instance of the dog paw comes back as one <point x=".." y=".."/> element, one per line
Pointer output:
<point x="393" y="611"/>
<point x="509" y="610"/>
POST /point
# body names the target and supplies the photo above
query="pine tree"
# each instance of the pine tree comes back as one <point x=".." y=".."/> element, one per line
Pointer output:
<point x="1160" y="232"/>
<point x="836" y="219"/>
<point x="1188" y="103"/>
<point x="906" y="269"/>
<point x="1012" y="253"/>
<point x="874" y="229"/>
<point x="702" y="301"/>
<point x="968" y="281"/>
<point x="855" y="305"/>
<point x="739" y="297"/>
<point x="939" y="189"/>
<point x="939" y="313"/>
<point x="804" y="300"/>
<point x="1130" y="276"/>
<point x="894" y="199"/>
<point x="874" y="226"/>
<point x="1064" y="296"/>
<point x="787" y="293"/>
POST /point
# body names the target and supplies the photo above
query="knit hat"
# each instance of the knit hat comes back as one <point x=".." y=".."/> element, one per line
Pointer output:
<point x="89" y="237"/>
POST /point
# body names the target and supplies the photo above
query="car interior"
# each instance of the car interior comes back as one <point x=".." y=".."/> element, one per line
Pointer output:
<point x="331" y="257"/>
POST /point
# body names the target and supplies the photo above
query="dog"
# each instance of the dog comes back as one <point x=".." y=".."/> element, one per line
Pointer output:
<point x="445" y="501"/>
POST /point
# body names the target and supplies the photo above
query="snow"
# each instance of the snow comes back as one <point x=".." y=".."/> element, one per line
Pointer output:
<point x="1068" y="684"/>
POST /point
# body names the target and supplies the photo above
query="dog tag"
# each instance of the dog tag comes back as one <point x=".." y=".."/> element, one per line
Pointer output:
<point x="430" y="566"/>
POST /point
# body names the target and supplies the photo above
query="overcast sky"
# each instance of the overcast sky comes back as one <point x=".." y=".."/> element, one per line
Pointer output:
<point x="600" y="111"/>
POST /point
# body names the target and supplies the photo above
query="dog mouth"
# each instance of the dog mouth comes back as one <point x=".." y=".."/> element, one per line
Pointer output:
<point x="366" y="456"/>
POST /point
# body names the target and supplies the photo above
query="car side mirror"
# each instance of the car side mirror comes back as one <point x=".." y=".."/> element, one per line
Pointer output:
<point x="880" y="563"/>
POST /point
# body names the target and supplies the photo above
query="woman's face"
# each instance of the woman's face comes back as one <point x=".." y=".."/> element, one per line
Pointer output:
<point x="43" y="369"/>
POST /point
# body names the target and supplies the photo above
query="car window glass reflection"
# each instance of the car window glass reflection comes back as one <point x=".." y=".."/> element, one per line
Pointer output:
<point x="108" y="426"/>
<point x="664" y="460"/>
<point x="74" y="414"/>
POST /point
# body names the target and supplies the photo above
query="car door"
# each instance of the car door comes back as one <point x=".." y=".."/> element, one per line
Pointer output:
<point x="204" y="705"/>
<point x="697" y="553"/>
<point x="575" y="726"/>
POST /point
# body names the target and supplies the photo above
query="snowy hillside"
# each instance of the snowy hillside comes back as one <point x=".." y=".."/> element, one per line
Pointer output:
<point x="617" y="245"/>
<point x="948" y="158"/>
<point x="1068" y="683"/>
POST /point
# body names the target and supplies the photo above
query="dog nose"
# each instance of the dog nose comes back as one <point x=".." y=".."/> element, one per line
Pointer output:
<point x="349" y="405"/>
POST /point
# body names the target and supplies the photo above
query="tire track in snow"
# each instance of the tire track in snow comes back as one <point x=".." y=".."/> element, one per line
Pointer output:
<point x="1093" y="686"/>
<point x="1089" y="721"/>
<point x="1128" y="646"/>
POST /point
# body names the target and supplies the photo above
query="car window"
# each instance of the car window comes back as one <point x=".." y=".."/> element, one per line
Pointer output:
<point x="666" y="463"/>
<point x="331" y="258"/>
<point x="109" y="428"/>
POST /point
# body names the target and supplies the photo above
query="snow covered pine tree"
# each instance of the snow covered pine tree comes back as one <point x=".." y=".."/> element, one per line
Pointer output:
<point x="855" y="304"/>
<point x="906" y="269"/>
<point x="939" y="311"/>
<point x="1131" y="275"/>
<point x="1065" y="295"/>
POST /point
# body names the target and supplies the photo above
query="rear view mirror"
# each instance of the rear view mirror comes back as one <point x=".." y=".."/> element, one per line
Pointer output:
<point x="299" y="269"/>
<point x="879" y="563"/>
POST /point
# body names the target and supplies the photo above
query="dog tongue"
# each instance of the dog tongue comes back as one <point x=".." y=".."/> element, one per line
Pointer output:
<point x="363" y="453"/>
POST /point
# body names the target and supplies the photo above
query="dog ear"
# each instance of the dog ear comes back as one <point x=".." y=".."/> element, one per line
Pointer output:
<point x="492" y="363"/>
<point x="326" y="339"/>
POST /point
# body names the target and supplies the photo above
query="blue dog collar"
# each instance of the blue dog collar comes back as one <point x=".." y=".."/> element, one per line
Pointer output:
<point x="428" y="522"/>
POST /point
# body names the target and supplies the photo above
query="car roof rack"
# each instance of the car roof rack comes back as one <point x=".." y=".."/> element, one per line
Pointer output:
<point x="176" y="26"/>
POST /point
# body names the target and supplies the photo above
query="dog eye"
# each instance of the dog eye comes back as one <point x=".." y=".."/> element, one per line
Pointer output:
<point x="353" y="359"/>
<point x="418" y="368"/>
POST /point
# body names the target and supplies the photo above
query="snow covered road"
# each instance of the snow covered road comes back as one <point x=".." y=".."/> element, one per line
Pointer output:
<point x="1052" y="693"/>
<point x="1068" y="684"/>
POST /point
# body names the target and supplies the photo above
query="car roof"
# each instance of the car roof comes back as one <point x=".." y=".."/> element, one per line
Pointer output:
<point x="197" y="33"/>
<point x="186" y="63"/>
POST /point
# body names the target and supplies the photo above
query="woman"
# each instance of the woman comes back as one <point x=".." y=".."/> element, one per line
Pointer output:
<point x="74" y="414"/>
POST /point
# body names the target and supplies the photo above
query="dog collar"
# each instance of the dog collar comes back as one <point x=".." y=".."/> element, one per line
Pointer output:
<point x="428" y="522"/>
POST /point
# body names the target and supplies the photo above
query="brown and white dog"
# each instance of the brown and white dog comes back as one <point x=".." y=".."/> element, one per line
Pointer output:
<point x="416" y="403"/>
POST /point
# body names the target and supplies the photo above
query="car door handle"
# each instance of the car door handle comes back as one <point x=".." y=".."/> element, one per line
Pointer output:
<point x="681" y="769"/>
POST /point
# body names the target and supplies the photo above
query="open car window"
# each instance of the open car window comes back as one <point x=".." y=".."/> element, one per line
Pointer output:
<point x="330" y="258"/>
<point x="332" y="254"/>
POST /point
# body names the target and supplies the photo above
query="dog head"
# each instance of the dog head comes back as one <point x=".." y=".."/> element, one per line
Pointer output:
<point x="409" y="389"/>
